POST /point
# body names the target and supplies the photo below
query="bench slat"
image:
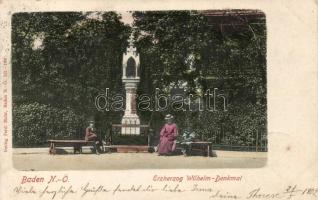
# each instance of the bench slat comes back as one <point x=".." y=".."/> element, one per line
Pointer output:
<point x="70" y="141"/>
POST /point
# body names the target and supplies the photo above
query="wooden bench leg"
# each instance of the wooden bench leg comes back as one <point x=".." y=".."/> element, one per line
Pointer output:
<point x="77" y="148"/>
<point x="208" y="150"/>
<point x="50" y="148"/>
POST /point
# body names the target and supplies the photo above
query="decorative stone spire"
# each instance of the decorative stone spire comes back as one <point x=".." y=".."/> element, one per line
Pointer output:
<point x="131" y="48"/>
<point x="130" y="120"/>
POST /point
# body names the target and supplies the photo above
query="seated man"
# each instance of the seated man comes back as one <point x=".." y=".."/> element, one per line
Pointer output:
<point x="90" y="135"/>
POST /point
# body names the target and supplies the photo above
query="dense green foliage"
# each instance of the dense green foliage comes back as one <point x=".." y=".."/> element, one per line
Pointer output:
<point x="77" y="59"/>
<point x="79" y="56"/>
<point x="233" y="61"/>
<point x="35" y="123"/>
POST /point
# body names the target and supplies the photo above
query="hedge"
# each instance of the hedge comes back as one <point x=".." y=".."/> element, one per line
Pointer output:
<point x="34" y="123"/>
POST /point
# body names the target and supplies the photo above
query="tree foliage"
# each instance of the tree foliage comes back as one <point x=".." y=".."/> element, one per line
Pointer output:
<point x="64" y="60"/>
<point x="35" y="123"/>
<point x="233" y="61"/>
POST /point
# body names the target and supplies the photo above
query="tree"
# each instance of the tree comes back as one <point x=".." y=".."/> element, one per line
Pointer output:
<point x="183" y="47"/>
<point x="64" y="60"/>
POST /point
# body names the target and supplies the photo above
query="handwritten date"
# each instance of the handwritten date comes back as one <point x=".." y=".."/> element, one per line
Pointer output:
<point x="89" y="190"/>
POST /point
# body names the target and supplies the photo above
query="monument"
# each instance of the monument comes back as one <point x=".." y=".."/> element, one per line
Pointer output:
<point x="130" y="121"/>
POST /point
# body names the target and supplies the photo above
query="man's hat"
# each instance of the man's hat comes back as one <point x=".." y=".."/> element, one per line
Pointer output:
<point x="91" y="121"/>
<point x="168" y="116"/>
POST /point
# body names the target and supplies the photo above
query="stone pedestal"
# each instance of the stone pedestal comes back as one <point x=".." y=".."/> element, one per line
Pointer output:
<point x="130" y="120"/>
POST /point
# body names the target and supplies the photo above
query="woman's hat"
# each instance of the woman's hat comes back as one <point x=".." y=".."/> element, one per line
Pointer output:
<point x="168" y="116"/>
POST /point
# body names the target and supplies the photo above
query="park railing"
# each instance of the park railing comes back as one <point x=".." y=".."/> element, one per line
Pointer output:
<point x="226" y="140"/>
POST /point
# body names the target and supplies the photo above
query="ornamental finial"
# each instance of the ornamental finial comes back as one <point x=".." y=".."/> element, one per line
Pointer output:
<point x="131" y="47"/>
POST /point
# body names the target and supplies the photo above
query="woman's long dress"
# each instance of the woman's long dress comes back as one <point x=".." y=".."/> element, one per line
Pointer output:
<point x="168" y="136"/>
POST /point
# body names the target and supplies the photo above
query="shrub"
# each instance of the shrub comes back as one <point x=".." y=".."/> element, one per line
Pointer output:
<point x="237" y="126"/>
<point x="34" y="123"/>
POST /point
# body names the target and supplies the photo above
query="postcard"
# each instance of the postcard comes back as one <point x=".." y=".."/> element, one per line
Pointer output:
<point x="159" y="99"/>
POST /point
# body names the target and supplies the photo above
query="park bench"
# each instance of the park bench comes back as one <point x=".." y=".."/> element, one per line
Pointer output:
<point x="201" y="146"/>
<point x="76" y="144"/>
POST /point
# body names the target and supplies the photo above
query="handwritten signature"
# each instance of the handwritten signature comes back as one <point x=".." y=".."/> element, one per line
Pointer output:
<point x="89" y="190"/>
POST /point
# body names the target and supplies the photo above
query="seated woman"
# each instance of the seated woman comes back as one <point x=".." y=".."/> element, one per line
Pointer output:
<point x="168" y="136"/>
<point x="90" y="135"/>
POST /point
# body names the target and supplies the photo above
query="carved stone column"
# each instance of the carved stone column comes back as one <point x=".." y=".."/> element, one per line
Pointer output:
<point x="130" y="120"/>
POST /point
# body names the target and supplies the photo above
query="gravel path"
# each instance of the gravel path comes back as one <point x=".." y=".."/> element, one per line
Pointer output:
<point x="44" y="161"/>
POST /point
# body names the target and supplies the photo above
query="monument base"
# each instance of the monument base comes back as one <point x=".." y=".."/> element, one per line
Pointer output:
<point x="137" y="140"/>
<point x="130" y="125"/>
